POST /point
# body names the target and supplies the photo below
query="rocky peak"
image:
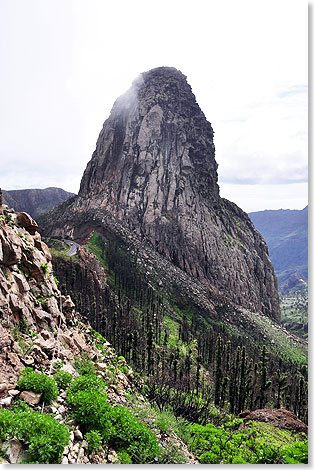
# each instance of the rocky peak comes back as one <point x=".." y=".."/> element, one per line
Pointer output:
<point x="155" y="153"/>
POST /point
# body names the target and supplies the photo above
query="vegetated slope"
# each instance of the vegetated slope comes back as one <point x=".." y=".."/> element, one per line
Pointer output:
<point x="173" y="336"/>
<point x="154" y="170"/>
<point x="286" y="234"/>
<point x="35" y="201"/>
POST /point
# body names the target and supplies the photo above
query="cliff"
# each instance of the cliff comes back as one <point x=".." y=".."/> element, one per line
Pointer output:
<point x="154" y="171"/>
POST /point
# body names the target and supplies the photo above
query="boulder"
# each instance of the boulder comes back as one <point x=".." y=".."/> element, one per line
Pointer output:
<point x="25" y="220"/>
<point x="15" y="451"/>
<point x="31" y="398"/>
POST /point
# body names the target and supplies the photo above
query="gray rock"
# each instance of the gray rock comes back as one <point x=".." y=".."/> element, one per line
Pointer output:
<point x="15" y="451"/>
<point x="6" y="401"/>
<point x="78" y="435"/>
<point x="3" y="387"/>
<point x="31" y="398"/>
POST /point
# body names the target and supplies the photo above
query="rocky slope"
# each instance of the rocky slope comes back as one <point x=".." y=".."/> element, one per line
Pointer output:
<point x="40" y="327"/>
<point x="35" y="201"/>
<point x="154" y="171"/>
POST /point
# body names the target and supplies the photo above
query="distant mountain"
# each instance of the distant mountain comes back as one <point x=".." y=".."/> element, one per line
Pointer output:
<point x="286" y="234"/>
<point x="35" y="201"/>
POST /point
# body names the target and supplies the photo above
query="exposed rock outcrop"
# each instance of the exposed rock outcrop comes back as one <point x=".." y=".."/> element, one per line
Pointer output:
<point x="154" y="170"/>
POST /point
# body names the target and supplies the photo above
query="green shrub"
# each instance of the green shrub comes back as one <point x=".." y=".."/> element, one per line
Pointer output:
<point x="94" y="440"/>
<point x="130" y="434"/>
<point x="91" y="409"/>
<point x="20" y="405"/>
<point x="62" y="379"/>
<point x="38" y="383"/>
<point x="84" y="365"/>
<point x="85" y="383"/>
<point x="57" y="365"/>
<point x="44" y="436"/>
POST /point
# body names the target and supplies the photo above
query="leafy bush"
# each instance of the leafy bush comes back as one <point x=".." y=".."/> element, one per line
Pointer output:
<point x="44" y="436"/>
<point x="91" y="409"/>
<point x="62" y="379"/>
<point x="85" y="383"/>
<point x="38" y="383"/>
<point x="130" y="434"/>
<point x="57" y="365"/>
<point x="84" y="365"/>
<point x="20" y="405"/>
<point x="94" y="440"/>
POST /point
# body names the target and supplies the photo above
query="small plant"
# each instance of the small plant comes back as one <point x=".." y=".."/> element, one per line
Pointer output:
<point x="84" y="365"/>
<point x="44" y="267"/>
<point x="57" y="365"/>
<point x="117" y="425"/>
<point x="94" y="440"/>
<point x="56" y="281"/>
<point x="38" y="383"/>
<point x="62" y="379"/>
<point x="20" y="405"/>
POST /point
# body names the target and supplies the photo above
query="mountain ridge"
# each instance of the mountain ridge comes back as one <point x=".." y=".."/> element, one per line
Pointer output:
<point x="35" y="201"/>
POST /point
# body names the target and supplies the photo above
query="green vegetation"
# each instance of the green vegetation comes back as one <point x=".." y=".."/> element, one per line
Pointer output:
<point x="38" y="383"/>
<point x="62" y="379"/>
<point x="44" y="436"/>
<point x="117" y="426"/>
<point x="86" y="382"/>
<point x="94" y="440"/>
<point x="255" y="444"/>
<point x="44" y="267"/>
<point x="173" y="344"/>
<point x="84" y="365"/>
<point x="98" y="245"/>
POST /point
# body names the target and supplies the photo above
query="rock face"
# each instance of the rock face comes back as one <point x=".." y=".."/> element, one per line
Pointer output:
<point x="154" y="170"/>
<point x="35" y="201"/>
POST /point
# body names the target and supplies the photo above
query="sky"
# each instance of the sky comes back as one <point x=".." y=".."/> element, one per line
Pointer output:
<point x="64" y="63"/>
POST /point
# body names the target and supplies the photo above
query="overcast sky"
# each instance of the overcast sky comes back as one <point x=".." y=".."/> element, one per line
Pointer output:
<point x="64" y="63"/>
